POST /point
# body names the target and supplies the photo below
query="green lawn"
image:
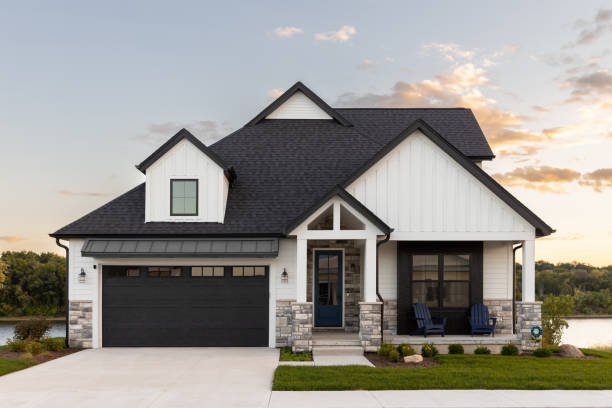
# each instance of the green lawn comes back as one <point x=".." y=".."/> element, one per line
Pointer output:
<point x="457" y="372"/>
<point x="8" y="365"/>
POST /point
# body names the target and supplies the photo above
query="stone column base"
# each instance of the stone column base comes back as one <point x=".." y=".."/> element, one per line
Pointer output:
<point x="370" y="325"/>
<point x="80" y="325"/>
<point x="502" y="310"/>
<point x="301" y="326"/>
<point x="528" y="314"/>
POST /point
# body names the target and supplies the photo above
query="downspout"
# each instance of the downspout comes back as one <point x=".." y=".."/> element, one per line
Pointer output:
<point x="514" y="287"/>
<point x="382" y="306"/>
<point x="59" y="244"/>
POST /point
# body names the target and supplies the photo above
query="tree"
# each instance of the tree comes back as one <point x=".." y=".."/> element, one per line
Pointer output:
<point x="553" y="308"/>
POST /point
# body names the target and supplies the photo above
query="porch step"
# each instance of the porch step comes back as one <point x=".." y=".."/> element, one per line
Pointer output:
<point x="336" y="342"/>
<point x="321" y="351"/>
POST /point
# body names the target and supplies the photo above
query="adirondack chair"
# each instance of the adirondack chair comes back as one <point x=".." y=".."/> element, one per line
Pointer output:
<point x="480" y="321"/>
<point x="425" y="322"/>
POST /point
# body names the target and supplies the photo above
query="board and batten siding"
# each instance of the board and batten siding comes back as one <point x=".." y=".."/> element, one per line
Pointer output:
<point x="387" y="270"/>
<point x="298" y="106"/>
<point x="185" y="161"/>
<point x="497" y="270"/>
<point x="424" y="194"/>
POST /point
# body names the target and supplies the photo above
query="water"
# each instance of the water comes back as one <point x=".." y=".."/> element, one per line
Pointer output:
<point x="588" y="332"/>
<point x="58" y="329"/>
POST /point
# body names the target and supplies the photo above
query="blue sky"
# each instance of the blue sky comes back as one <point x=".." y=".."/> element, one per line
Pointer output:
<point x="88" y="90"/>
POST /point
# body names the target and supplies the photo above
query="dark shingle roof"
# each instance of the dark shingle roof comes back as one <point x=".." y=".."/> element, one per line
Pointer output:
<point x="282" y="168"/>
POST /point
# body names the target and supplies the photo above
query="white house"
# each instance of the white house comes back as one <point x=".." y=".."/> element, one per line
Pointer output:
<point x="308" y="218"/>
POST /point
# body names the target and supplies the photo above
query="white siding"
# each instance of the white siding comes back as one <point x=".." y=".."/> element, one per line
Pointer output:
<point x="424" y="194"/>
<point x="497" y="270"/>
<point x="186" y="161"/>
<point x="387" y="270"/>
<point x="298" y="106"/>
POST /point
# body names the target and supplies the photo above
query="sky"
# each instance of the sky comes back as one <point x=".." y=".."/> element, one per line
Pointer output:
<point x="89" y="89"/>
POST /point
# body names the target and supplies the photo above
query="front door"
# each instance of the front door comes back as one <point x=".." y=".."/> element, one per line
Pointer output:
<point x="328" y="288"/>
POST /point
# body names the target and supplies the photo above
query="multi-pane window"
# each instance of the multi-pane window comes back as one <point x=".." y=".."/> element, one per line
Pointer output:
<point x="441" y="280"/>
<point x="207" y="271"/>
<point x="183" y="197"/>
<point x="164" y="271"/>
<point x="122" y="271"/>
<point x="248" y="271"/>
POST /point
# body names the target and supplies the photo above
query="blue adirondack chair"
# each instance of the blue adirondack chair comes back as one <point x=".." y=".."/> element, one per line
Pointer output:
<point x="480" y="321"/>
<point x="425" y="322"/>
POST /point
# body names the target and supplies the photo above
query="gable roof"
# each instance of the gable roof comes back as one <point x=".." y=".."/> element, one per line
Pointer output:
<point x="339" y="191"/>
<point x="299" y="87"/>
<point x="541" y="227"/>
<point x="173" y="141"/>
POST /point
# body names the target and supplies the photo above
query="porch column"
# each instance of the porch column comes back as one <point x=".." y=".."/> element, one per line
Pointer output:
<point x="369" y="271"/>
<point x="529" y="270"/>
<point x="300" y="272"/>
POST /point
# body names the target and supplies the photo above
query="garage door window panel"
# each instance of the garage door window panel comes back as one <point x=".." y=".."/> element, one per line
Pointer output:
<point x="164" y="272"/>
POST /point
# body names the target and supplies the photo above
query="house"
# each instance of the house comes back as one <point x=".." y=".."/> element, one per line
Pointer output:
<point x="308" y="217"/>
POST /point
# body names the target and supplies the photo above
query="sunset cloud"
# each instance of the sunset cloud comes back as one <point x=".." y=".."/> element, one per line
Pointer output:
<point x="598" y="179"/>
<point x="539" y="109"/>
<point x="275" y="93"/>
<point x="367" y="65"/>
<point x="342" y="35"/>
<point x="449" y="51"/>
<point x="287" y="32"/>
<point x="81" y="193"/>
<point x="589" y="85"/>
<point x="594" y="29"/>
<point x="10" y="239"/>
<point x="208" y="131"/>
<point x="569" y="236"/>
<point x="542" y="178"/>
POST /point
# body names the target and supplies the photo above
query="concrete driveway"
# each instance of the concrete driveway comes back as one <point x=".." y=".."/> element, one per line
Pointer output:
<point x="146" y="377"/>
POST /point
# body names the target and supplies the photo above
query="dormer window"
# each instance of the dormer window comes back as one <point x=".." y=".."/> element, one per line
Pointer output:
<point x="183" y="197"/>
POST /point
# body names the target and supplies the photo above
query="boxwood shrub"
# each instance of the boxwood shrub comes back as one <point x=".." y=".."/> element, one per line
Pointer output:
<point x="542" y="352"/>
<point x="482" y="350"/>
<point x="455" y="349"/>
<point x="510" y="349"/>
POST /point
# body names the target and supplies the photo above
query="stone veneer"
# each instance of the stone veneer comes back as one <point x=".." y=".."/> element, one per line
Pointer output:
<point x="389" y="318"/>
<point x="283" y="323"/>
<point x="301" y="326"/>
<point x="528" y="314"/>
<point x="352" y="278"/>
<point x="369" y="325"/>
<point x="502" y="310"/>
<point x="80" y="324"/>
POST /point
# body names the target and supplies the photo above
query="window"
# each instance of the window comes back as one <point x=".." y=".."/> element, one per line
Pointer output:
<point x="207" y="271"/>
<point x="122" y="271"/>
<point x="164" y="271"/>
<point x="183" y="197"/>
<point x="441" y="280"/>
<point x="248" y="271"/>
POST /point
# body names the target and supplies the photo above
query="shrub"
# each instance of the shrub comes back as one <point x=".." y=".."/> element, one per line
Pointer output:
<point x="385" y="349"/>
<point x="510" y="349"/>
<point x="16" y="345"/>
<point x="54" y="343"/>
<point x="542" y="352"/>
<point x="553" y="307"/>
<point x="482" y="350"/>
<point x="394" y="355"/>
<point x="27" y="356"/>
<point x="455" y="349"/>
<point x="405" y="350"/>
<point x="33" y="329"/>
<point x="429" y="350"/>
<point x="34" y="347"/>
<point x="554" y="348"/>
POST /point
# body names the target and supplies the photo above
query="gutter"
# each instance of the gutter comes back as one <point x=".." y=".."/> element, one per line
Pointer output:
<point x="59" y="244"/>
<point x="514" y="249"/>
<point x="382" y="306"/>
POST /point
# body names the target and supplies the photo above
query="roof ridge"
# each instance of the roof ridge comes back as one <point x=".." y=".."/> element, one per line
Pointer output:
<point x="409" y="108"/>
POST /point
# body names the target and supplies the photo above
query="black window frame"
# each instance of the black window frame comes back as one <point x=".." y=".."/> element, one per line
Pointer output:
<point x="440" y="281"/>
<point x="174" y="214"/>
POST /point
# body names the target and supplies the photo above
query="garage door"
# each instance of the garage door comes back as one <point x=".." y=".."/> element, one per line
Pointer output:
<point x="185" y="306"/>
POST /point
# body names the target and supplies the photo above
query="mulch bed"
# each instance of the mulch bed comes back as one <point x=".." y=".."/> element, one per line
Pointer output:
<point x="379" y="361"/>
<point x="42" y="357"/>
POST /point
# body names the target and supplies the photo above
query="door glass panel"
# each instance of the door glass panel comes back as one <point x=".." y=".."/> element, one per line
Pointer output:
<point x="456" y="294"/>
<point x="328" y="280"/>
<point x="425" y="267"/>
<point x="457" y="267"/>
<point x="425" y="292"/>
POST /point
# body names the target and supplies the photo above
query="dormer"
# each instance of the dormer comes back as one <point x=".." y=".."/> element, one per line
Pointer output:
<point x="185" y="182"/>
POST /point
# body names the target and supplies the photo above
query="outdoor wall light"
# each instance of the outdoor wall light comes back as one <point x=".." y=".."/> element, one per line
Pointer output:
<point x="284" y="276"/>
<point x="82" y="276"/>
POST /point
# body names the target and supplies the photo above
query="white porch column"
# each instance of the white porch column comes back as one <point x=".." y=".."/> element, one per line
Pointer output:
<point x="300" y="272"/>
<point x="529" y="270"/>
<point x="369" y="271"/>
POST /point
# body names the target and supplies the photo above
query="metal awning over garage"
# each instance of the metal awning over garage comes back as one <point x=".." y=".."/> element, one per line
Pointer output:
<point x="174" y="248"/>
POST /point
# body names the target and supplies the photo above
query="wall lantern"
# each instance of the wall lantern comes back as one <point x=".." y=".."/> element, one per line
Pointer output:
<point x="82" y="276"/>
<point x="284" y="276"/>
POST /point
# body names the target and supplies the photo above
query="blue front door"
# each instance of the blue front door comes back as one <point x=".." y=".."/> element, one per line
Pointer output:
<point x="328" y="288"/>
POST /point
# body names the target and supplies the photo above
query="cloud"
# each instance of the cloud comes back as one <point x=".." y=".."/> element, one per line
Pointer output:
<point x="539" y="109"/>
<point x="588" y="85"/>
<point x="81" y="193"/>
<point x="342" y="35"/>
<point x="449" y="51"/>
<point x="569" y="236"/>
<point x="522" y="150"/>
<point x="275" y="93"/>
<point x="207" y="131"/>
<point x="10" y="239"/>
<point x="542" y="178"/>
<point x="594" y="29"/>
<point x="367" y="65"/>
<point x="287" y="31"/>
<point x="598" y="179"/>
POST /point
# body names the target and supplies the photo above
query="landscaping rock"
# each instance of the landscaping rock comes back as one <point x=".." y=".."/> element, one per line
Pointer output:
<point x="416" y="358"/>
<point x="569" y="351"/>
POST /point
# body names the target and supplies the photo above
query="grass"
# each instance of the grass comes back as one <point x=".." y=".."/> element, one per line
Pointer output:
<point x="457" y="372"/>
<point x="287" y="355"/>
<point x="8" y="365"/>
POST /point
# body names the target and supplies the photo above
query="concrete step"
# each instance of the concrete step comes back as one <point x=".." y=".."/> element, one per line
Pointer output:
<point x="320" y="351"/>
<point x="336" y="342"/>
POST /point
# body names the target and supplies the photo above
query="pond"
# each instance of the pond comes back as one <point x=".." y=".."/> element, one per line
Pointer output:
<point x="588" y="331"/>
<point x="58" y="329"/>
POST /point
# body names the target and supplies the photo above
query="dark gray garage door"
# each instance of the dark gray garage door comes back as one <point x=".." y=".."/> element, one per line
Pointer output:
<point x="185" y="306"/>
